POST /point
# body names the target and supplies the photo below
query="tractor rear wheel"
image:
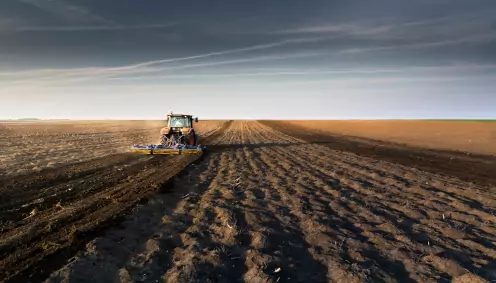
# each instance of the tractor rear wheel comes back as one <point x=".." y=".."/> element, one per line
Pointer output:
<point x="192" y="139"/>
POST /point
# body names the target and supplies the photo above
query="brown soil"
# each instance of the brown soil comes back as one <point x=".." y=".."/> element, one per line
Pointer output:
<point x="477" y="168"/>
<point x="261" y="206"/>
<point x="47" y="217"/>
<point x="466" y="136"/>
<point x="29" y="147"/>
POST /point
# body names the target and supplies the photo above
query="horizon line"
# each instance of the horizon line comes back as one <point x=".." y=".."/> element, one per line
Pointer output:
<point x="255" y="119"/>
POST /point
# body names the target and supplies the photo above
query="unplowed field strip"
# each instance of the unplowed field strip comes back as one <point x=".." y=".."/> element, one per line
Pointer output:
<point x="48" y="216"/>
<point x="269" y="207"/>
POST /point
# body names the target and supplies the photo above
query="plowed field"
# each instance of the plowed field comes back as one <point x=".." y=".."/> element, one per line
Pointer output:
<point x="263" y="204"/>
<point x="33" y="146"/>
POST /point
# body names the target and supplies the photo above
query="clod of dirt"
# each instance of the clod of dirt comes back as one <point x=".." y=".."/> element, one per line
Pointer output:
<point x="59" y="205"/>
<point x="124" y="276"/>
<point x="166" y="220"/>
<point x="259" y="240"/>
<point x="152" y="245"/>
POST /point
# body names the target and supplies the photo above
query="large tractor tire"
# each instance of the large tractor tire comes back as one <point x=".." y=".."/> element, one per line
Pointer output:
<point x="192" y="139"/>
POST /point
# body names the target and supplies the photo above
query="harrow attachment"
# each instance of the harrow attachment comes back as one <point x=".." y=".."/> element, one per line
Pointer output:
<point x="169" y="146"/>
<point x="167" y="150"/>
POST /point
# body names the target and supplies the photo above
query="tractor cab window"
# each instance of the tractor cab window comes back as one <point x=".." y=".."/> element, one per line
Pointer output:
<point x="180" y="122"/>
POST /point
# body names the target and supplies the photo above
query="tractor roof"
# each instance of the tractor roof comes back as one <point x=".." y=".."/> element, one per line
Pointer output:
<point x="181" y="115"/>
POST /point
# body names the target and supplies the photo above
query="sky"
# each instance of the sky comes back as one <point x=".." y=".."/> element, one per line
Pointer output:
<point x="218" y="59"/>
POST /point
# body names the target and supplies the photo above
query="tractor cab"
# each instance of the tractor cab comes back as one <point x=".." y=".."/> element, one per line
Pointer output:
<point x="177" y="122"/>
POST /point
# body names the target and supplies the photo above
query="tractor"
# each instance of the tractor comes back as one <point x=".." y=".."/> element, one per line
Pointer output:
<point x="177" y="137"/>
<point x="179" y="127"/>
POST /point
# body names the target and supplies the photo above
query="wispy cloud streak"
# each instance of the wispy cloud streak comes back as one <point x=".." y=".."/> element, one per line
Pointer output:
<point x="432" y="32"/>
<point x="150" y="66"/>
<point x="271" y="74"/>
<point x="220" y="53"/>
<point x="311" y="76"/>
<point x="81" y="75"/>
<point x="478" y="38"/>
<point x="73" y="28"/>
<point x="69" y="12"/>
<point x="355" y="28"/>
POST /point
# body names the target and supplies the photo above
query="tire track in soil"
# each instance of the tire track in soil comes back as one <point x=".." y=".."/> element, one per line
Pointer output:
<point x="266" y="207"/>
<point x="48" y="238"/>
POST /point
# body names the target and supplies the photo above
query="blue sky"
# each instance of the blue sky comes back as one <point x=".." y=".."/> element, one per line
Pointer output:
<point x="287" y="59"/>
